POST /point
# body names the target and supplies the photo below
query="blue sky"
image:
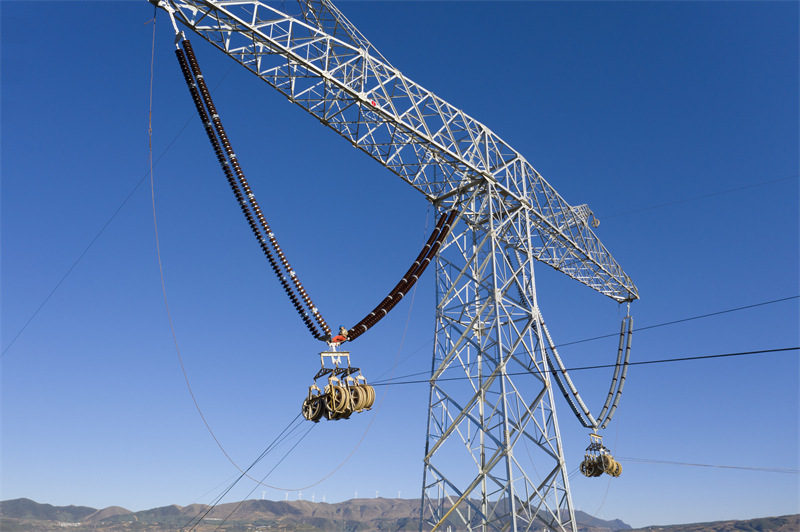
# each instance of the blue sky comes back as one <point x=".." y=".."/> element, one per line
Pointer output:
<point x="677" y="122"/>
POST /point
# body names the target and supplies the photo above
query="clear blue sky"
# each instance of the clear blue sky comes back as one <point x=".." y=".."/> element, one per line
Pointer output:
<point x="660" y="115"/>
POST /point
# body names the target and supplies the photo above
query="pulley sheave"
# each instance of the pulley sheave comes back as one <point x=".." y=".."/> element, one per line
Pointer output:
<point x="598" y="459"/>
<point x="346" y="390"/>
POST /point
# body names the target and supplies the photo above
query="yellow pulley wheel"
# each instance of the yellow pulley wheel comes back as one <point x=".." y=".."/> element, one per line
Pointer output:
<point x="371" y="391"/>
<point x="607" y="463"/>
<point x="365" y="399"/>
<point x="358" y="396"/>
<point x="597" y="467"/>
<point x="312" y="409"/>
<point x="338" y="398"/>
<point x="586" y="467"/>
<point x="313" y="405"/>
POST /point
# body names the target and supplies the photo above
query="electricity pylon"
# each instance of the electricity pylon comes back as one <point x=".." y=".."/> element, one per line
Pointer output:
<point x="491" y="415"/>
<point x="490" y="424"/>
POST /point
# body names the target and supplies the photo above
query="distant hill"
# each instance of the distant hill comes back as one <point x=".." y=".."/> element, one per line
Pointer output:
<point x="28" y="509"/>
<point x="353" y="515"/>
<point x="105" y="514"/>
<point x="785" y="523"/>
<point x="357" y="515"/>
<point x="587" y="523"/>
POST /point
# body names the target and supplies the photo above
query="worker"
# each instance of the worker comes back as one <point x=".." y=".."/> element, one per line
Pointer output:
<point x="341" y="337"/>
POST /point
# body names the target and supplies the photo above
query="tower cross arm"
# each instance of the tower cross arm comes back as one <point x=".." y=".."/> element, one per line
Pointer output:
<point x="573" y="249"/>
<point x="321" y="62"/>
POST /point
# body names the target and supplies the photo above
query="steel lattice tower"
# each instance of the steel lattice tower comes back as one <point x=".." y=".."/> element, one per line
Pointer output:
<point x="492" y="413"/>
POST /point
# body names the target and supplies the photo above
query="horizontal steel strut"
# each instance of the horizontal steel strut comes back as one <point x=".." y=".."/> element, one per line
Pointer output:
<point x="322" y="63"/>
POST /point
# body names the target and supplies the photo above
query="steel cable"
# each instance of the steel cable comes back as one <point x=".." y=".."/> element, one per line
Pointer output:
<point x="265" y="477"/>
<point x="208" y="508"/>
<point x="648" y="327"/>
<point x="745" y="468"/>
<point x="389" y="382"/>
<point x="682" y="320"/>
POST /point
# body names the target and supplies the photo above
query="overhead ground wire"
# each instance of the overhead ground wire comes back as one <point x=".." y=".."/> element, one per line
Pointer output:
<point x="389" y="382"/>
<point x="745" y="468"/>
<point x="647" y="327"/>
<point x="639" y="329"/>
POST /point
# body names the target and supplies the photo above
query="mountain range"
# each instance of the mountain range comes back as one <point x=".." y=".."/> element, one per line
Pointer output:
<point x="357" y="515"/>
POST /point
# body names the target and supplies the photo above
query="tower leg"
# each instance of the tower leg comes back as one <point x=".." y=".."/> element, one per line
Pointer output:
<point x="493" y="455"/>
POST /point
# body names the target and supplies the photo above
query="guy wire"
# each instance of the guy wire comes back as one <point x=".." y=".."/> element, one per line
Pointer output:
<point x="208" y="508"/>
<point x="265" y="476"/>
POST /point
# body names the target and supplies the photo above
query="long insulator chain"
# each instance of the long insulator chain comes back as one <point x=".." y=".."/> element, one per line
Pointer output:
<point x="617" y="382"/>
<point x="196" y="89"/>
<point x="251" y="197"/>
<point x="381" y="310"/>
<point x="416" y="270"/>
<point x="560" y="377"/>
<point x="621" y="385"/>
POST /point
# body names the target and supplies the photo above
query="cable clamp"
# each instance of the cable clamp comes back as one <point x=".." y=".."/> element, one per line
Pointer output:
<point x="163" y="4"/>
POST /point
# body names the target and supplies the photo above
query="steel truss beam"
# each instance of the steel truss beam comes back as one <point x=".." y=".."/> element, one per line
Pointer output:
<point x="321" y="62"/>
<point x="491" y="414"/>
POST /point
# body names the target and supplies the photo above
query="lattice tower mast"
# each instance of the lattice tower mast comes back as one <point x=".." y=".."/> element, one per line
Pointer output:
<point x="488" y="323"/>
